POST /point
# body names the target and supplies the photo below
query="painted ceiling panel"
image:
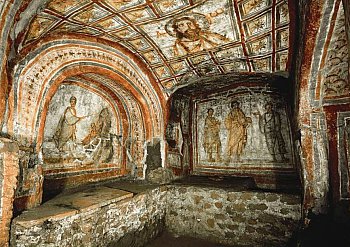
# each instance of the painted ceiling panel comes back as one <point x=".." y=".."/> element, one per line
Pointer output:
<point x="152" y="57"/>
<point x="260" y="46"/>
<point x="282" y="14"/>
<point x="39" y="26"/>
<point x="179" y="37"/>
<point x="282" y="38"/>
<point x="258" y="25"/>
<point x="180" y="67"/>
<point x="140" y="15"/>
<point x="168" y="6"/>
<point x="91" y="14"/>
<point x="120" y="5"/>
<point x="235" y="66"/>
<point x="251" y="7"/>
<point x="282" y="58"/>
<point x="111" y="23"/>
<point x="66" y="27"/>
<point x="65" y="7"/>
<point x="90" y="31"/>
<point x="262" y="64"/>
<point x="126" y="33"/>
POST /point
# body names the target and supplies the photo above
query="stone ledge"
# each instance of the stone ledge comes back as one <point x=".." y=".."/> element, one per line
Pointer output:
<point x="99" y="217"/>
<point x="67" y="205"/>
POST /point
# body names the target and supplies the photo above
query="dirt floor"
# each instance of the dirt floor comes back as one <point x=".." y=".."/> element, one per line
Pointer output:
<point x="168" y="240"/>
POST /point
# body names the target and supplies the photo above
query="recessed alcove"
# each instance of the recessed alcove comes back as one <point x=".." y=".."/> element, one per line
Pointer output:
<point x="83" y="138"/>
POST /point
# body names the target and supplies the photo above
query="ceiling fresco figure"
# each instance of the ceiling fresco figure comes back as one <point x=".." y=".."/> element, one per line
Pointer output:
<point x="236" y="124"/>
<point x="65" y="135"/>
<point x="211" y="139"/>
<point x="191" y="37"/>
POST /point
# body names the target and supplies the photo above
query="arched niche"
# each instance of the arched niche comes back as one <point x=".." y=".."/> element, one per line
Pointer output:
<point x="43" y="72"/>
<point x="86" y="140"/>
<point x="128" y="90"/>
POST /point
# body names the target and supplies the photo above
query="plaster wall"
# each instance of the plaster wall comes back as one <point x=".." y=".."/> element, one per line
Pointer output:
<point x="88" y="104"/>
<point x="85" y="140"/>
<point x="84" y="146"/>
<point x="252" y="138"/>
<point x="246" y="140"/>
<point x="178" y="136"/>
<point x="323" y="101"/>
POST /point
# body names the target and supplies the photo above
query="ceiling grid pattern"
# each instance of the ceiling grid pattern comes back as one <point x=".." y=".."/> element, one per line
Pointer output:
<point x="177" y="38"/>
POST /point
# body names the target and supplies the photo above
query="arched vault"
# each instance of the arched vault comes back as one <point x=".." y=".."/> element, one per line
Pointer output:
<point x="111" y="71"/>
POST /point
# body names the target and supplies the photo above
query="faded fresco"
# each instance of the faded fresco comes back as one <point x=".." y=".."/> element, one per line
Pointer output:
<point x="176" y="37"/>
<point x="243" y="130"/>
<point x="343" y="123"/>
<point x="80" y="128"/>
<point x="347" y="140"/>
<point x="335" y="79"/>
<point x="192" y="33"/>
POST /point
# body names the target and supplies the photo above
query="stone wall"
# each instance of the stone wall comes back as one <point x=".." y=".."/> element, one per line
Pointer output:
<point x="8" y="183"/>
<point x="227" y="217"/>
<point x="30" y="181"/>
<point x="130" y="222"/>
<point x="223" y="216"/>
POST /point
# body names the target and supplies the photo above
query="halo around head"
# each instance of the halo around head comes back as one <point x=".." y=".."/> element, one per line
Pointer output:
<point x="201" y="19"/>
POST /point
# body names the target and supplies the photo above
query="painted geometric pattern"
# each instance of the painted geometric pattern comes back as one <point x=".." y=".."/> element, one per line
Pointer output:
<point x="335" y="79"/>
<point x="175" y="36"/>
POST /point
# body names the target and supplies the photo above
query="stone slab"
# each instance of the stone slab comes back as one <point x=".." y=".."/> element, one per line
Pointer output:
<point x="70" y="204"/>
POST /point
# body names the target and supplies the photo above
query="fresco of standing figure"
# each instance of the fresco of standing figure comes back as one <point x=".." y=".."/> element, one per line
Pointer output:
<point x="236" y="124"/>
<point x="347" y="139"/>
<point x="270" y="126"/>
<point x="65" y="134"/>
<point x="211" y="142"/>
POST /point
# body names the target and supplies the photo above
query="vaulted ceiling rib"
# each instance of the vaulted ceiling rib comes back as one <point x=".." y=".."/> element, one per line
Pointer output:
<point x="177" y="38"/>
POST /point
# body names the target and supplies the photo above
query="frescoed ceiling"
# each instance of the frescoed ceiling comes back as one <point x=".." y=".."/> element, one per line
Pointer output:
<point x="179" y="38"/>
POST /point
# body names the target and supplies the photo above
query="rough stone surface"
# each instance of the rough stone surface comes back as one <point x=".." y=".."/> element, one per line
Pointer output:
<point x="153" y="159"/>
<point x="8" y="183"/>
<point x="30" y="181"/>
<point x="238" y="218"/>
<point x="160" y="176"/>
<point x="130" y="222"/>
<point x="231" y="217"/>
